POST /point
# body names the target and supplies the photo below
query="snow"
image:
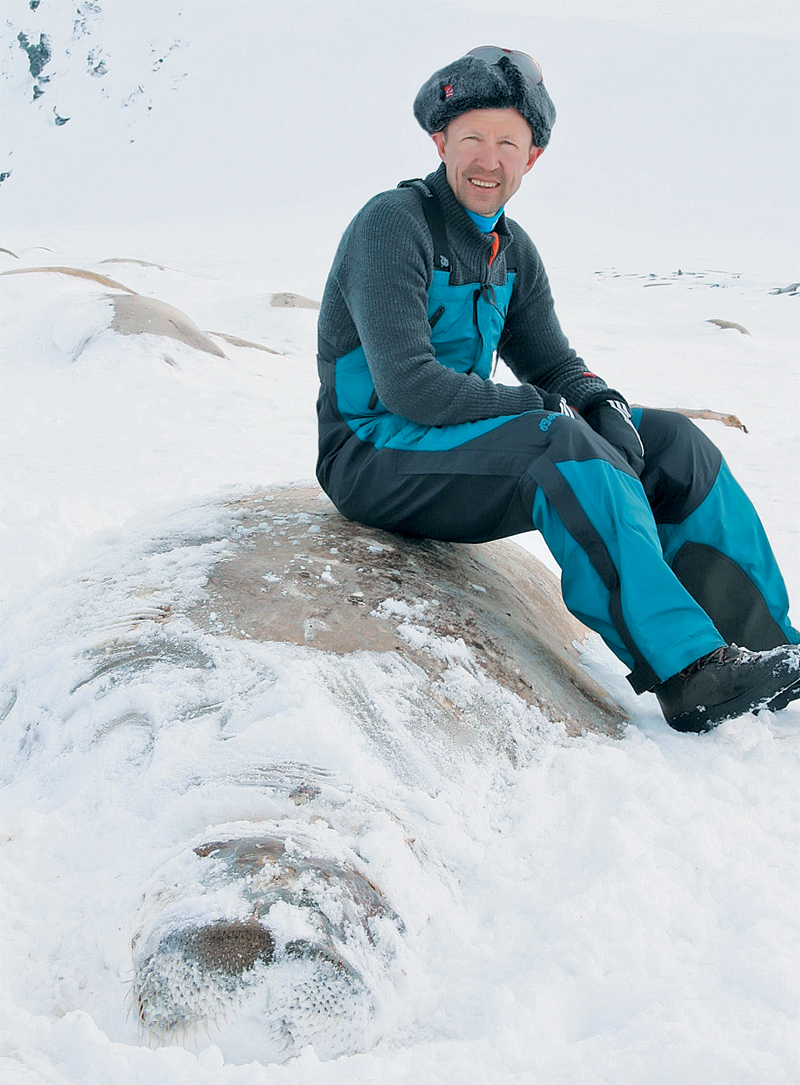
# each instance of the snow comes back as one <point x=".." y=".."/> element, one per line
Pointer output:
<point x="609" y="911"/>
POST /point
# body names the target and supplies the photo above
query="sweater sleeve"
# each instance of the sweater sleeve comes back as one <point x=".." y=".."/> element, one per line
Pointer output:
<point x="533" y="345"/>
<point x="382" y="272"/>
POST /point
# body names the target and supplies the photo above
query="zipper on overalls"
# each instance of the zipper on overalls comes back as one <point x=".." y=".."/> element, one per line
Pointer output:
<point x="437" y="316"/>
<point x="486" y="291"/>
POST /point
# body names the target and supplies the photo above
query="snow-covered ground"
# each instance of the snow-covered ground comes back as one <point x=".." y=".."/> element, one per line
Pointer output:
<point x="620" y="911"/>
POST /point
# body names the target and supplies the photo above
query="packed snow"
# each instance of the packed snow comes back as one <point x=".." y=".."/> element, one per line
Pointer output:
<point x="608" y="911"/>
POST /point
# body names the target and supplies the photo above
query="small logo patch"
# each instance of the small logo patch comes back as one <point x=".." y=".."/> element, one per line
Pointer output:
<point x="546" y="423"/>
<point x="448" y="90"/>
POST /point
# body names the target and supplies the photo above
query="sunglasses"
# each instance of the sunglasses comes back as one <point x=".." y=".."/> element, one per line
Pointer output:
<point x="529" y="67"/>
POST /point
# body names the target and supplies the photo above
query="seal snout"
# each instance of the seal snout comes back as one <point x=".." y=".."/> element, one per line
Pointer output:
<point x="305" y="957"/>
<point x="199" y="972"/>
<point x="229" y="947"/>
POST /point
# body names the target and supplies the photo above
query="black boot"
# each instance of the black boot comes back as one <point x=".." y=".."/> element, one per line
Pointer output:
<point x="727" y="683"/>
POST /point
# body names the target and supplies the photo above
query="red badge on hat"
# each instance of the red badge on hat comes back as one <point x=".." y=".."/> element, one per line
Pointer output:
<point x="448" y="90"/>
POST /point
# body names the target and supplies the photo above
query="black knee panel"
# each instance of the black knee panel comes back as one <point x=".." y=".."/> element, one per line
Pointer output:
<point x="729" y="597"/>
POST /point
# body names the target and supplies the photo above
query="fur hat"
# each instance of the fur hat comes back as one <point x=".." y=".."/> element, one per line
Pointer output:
<point x="472" y="83"/>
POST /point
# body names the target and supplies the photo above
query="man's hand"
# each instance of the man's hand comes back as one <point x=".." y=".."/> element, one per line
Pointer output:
<point x="554" y="402"/>
<point x="609" y="415"/>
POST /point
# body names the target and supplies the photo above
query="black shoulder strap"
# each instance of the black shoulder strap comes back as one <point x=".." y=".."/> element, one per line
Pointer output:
<point x="435" y="220"/>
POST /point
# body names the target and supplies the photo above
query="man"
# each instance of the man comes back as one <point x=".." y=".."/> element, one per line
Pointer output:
<point x="661" y="552"/>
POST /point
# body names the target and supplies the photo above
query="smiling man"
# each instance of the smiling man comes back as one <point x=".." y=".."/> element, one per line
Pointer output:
<point x="486" y="153"/>
<point x="661" y="551"/>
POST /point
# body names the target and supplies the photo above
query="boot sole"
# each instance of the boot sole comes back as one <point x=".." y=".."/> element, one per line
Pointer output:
<point x="701" y="720"/>
<point x="783" y="699"/>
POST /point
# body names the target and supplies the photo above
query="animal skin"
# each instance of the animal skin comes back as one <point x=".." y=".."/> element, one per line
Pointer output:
<point x="263" y="690"/>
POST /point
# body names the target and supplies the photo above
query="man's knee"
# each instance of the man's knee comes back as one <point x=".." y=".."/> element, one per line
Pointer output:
<point x="573" y="439"/>
<point x="681" y="464"/>
<point x="661" y="430"/>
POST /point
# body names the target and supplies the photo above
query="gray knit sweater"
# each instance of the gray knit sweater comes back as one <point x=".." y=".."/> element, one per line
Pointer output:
<point x="376" y="297"/>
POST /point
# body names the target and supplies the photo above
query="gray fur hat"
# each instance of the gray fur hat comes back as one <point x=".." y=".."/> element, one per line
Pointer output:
<point x="472" y="83"/>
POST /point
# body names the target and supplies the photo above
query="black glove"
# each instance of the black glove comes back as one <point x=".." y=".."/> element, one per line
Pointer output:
<point x="554" y="402"/>
<point x="609" y="415"/>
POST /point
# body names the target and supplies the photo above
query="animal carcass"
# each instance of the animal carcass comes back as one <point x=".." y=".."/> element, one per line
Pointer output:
<point x="242" y="727"/>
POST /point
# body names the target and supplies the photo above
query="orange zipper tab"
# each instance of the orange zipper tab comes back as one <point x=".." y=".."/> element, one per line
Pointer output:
<point x="495" y="247"/>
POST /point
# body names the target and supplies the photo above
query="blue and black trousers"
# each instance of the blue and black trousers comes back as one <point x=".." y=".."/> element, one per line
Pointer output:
<point x="666" y="567"/>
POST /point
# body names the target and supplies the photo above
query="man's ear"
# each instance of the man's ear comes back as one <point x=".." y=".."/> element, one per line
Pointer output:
<point x="438" y="139"/>
<point x="535" y="152"/>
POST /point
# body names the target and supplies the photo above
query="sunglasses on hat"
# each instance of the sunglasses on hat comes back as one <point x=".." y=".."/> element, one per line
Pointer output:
<point x="529" y="67"/>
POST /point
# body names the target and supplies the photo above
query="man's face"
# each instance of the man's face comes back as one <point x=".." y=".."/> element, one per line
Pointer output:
<point x="486" y="153"/>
